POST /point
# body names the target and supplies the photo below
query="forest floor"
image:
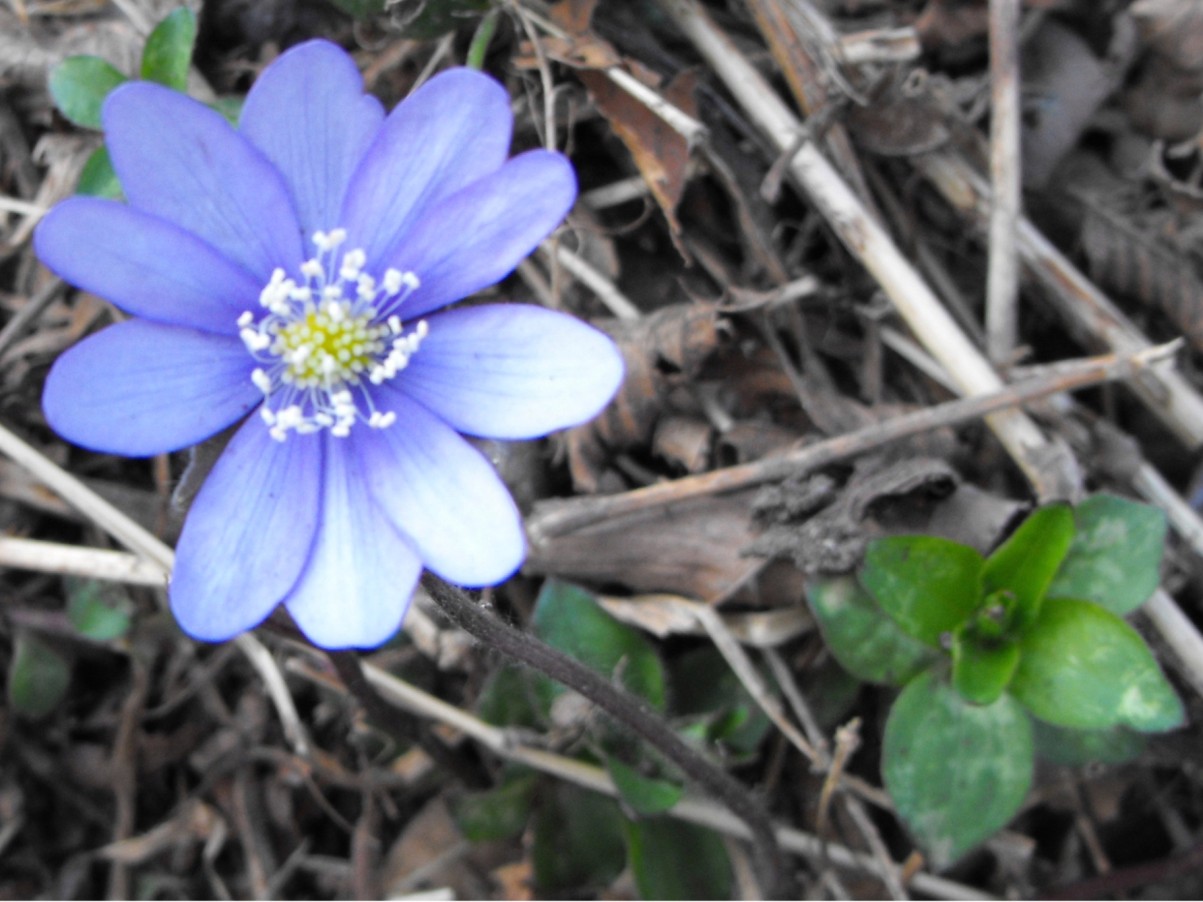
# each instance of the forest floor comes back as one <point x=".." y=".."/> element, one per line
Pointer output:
<point x="784" y="220"/>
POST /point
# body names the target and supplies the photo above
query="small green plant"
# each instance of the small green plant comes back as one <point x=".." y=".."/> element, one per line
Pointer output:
<point x="1001" y="658"/>
<point x="80" y="84"/>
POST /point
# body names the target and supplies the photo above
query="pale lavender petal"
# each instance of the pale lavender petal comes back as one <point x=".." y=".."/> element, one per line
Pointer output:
<point x="140" y="388"/>
<point x="511" y="371"/>
<point x="442" y="493"/>
<point x="361" y="572"/>
<point x="144" y="265"/>
<point x="309" y="115"/>
<point x="183" y="162"/>
<point x="476" y="237"/>
<point x="248" y="533"/>
<point x="447" y="134"/>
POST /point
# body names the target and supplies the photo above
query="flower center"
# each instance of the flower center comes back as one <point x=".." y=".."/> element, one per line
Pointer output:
<point x="324" y="337"/>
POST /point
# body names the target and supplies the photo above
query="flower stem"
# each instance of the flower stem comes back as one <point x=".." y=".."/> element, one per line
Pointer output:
<point x="481" y="40"/>
<point x="629" y="711"/>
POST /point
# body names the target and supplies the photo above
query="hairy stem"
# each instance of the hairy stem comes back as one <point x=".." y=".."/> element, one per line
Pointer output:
<point x="627" y="710"/>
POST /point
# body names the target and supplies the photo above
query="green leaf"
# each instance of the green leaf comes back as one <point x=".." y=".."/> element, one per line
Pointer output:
<point x="568" y="618"/>
<point x="982" y="668"/>
<point x="578" y="839"/>
<point x="706" y="687"/>
<point x="1075" y="748"/>
<point x="645" y="795"/>
<point x="168" y="51"/>
<point x="1115" y="557"/>
<point x="38" y="677"/>
<point x="499" y="813"/>
<point x="229" y="107"/>
<point x="94" y="614"/>
<point x="516" y="697"/>
<point x="957" y="772"/>
<point x="674" y="860"/>
<point x="1081" y="666"/>
<point x="865" y="641"/>
<point x="1024" y="565"/>
<point x="79" y="85"/>
<point x="97" y="178"/>
<point x="927" y="584"/>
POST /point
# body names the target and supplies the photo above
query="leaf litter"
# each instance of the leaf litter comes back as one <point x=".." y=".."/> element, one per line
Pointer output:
<point x="754" y="322"/>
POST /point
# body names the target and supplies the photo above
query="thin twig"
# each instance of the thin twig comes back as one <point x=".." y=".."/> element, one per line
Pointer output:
<point x="93" y="563"/>
<point x="567" y="516"/>
<point x="630" y="712"/>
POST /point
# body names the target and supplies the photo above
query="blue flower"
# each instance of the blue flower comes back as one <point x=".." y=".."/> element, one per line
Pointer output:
<point x="292" y="273"/>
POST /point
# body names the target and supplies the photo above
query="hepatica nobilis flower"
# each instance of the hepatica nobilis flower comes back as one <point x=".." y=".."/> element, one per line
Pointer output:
<point x="292" y="273"/>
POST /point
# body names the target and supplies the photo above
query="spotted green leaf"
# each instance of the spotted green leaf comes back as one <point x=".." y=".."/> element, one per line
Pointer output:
<point x="929" y="585"/>
<point x="1115" y="555"/>
<point x="866" y="643"/>
<point x="957" y="772"/>
<point x="1081" y="666"/>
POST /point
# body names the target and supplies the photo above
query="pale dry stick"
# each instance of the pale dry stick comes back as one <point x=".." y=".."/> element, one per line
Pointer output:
<point x="693" y="131"/>
<point x="558" y="518"/>
<point x="1086" y="311"/>
<point x="1182" y="517"/>
<point x="867" y="240"/>
<point x="1002" y="271"/>
<point x="137" y="539"/>
<point x="72" y="560"/>
<point x="32" y="309"/>
<point x="694" y="810"/>
<point x="607" y="292"/>
<point x="745" y="670"/>
<point x="888" y="46"/>
<point x="21" y="207"/>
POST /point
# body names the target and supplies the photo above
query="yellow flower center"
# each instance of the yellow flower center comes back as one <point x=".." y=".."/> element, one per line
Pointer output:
<point x="329" y="345"/>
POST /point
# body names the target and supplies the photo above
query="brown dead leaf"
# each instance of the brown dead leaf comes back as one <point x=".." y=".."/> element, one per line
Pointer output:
<point x="1130" y="260"/>
<point x="693" y="548"/>
<point x="661" y="352"/>
<point x="574" y="16"/>
<point x="902" y="119"/>
<point x="660" y="152"/>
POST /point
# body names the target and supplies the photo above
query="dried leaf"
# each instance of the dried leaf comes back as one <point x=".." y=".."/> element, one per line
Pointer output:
<point x="693" y="548"/>
<point x="660" y="152"/>
<point x="1127" y="260"/>
<point x="661" y="352"/>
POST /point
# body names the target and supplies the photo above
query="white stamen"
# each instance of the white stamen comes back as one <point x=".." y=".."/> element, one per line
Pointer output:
<point x="325" y="338"/>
